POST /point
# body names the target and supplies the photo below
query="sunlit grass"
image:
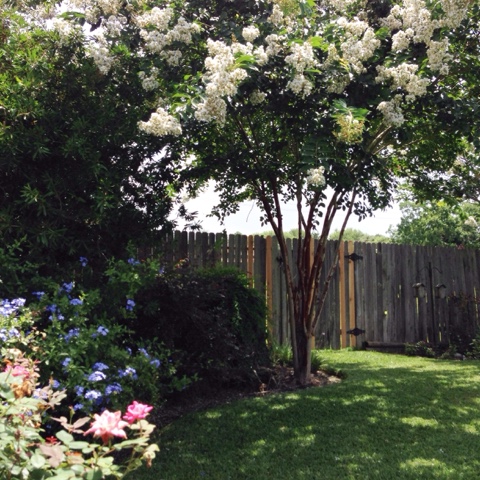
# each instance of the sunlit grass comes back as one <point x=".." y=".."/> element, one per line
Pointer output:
<point x="393" y="417"/>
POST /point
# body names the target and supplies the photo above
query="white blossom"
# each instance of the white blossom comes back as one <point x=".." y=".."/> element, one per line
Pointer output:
<point x="161" y="123"/>
<point x="257" y="97"/>
<point x="156" y="17"/>
<point x="212" y="109"/>
<point x="301" y="57"/>
<point x="316" y="177"/>
<point x="250" y="33"/>
<point x="404" y="76"/>
<point x="392" y="113"/>
<point x="100" y="52"/>
<point x="149" y="82"/>
<point x="300" y="85"/>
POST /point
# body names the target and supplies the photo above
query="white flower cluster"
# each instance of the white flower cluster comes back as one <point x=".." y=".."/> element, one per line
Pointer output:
<point x="149" y="82"/>
<point x="274" y="44"/>
<point x="114" y="25"/>
<point x="161" y="123"/>
<point x="438" y="56"/>
<point x="65" y="29"/>
<point x="471" y="222"/>
<point x="257" y="97"/>
<point x="250" y="33"/>
<point x="157" y="32"/>
<point x="415" y="23"/>
<point x="300" y="59"/>
<point x="221" y="78"/>
<point x="159" y="18"/>
<point x="99" y="50"/>
<point x="392" y="113"/>
<point x="359" y="43"/>
<point x="316" y="177"/>
<point x="276" y="17"/>
<point x="342" y="5"/>
<point x="172" y="57"/>
<point x="404" y="77"/>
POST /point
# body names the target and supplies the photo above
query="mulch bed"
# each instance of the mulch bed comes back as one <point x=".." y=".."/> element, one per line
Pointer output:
<point x="200" y="397"/>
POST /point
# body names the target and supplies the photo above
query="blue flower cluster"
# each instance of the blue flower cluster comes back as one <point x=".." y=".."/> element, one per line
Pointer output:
<point x="9" y="307"/>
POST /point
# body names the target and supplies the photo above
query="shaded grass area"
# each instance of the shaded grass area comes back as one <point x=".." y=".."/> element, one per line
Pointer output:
<point x="393" y="417"/>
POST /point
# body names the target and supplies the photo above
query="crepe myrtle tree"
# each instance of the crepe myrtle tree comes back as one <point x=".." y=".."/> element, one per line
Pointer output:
<point x="316" y="102"/>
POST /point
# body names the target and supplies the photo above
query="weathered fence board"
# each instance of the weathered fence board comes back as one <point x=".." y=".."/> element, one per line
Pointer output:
<point x="371" y="290"/>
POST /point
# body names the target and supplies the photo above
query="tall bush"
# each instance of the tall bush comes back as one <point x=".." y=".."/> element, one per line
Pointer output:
<point x="213" y="317"/>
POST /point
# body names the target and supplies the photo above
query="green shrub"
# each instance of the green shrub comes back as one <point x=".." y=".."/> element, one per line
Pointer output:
<point x="212" y="316"/>
<point x="85" y="345"/>
<point x="420" y="349"/>
<point x="281" y="354"/>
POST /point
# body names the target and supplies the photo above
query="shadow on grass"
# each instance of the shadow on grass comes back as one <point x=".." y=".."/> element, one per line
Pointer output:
<point x="392" y="418"/>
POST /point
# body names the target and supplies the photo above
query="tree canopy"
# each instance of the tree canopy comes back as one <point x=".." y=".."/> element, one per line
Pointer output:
<point x="439" y="224"/>
<point x="77" y="176"/>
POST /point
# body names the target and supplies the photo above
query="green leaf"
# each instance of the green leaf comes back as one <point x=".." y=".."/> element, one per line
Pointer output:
<point x="94" y="475"/>
<point x="65" y="437"/>
<point x="78" y="445"/>
<point x="37" y="460"/>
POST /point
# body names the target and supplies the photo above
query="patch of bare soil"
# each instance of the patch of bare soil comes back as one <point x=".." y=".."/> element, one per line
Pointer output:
<point x="201" y="397"/>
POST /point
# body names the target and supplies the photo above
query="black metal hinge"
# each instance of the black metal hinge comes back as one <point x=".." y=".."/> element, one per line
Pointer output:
<point x="353" y="256"/>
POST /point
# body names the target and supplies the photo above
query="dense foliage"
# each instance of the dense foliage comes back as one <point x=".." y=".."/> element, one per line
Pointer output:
<point x="213" y="318"/>
<point x="77" y="176"/>
<point x="439" y="224"/>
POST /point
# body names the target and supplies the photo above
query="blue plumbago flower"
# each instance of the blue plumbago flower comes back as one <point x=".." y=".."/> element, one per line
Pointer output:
<point x="83" y="261"/>
<point x="128" y="372"/>
<point x="133" y="261"/>
<point x="51" y="308"/>
<point x="161" y="270"/>
<point x="18" y="302"/>
<point x="8" y="307"/>
<point x="67" y="287"/>
<point x="73" y="332"/>
<point x="93" y="395"/>
<point x="13" y="332"/>
<point x="129" y="350"/>
<point x="155" y="362"/>
<point x="113" y="388"/>
<point x="102" y="330"/>
<point x="78" y="406"/>
<point x="40" y="394"/>
<point x="3" y="335"/>
<point x="60" y="317"/>
<point x="76" y="301"/>
<point x="55" y="384"/>
<point x="66" y="362"/>
<point x="96" y="377"/>
<point x="144" y="352"/>
<point x="78" y="389"/>
<point x="130" y="304"/>
<point x="39" y="295"/>
<point x="100" y="366"/>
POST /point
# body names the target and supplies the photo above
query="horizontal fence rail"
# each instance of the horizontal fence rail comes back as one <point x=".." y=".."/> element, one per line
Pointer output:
<point x="380" y="293"/>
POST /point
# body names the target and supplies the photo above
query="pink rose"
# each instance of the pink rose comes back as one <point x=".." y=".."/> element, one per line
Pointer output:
<point x="18" y="371"/>
<point x="108" y="425"/>
<point x="136" y="411"/>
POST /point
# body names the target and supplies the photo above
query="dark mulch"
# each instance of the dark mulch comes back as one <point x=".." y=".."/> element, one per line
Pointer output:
<point x="201" y="396"/>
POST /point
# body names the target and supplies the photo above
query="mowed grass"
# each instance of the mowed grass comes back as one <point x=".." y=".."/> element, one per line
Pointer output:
<point x="393" y="417"/>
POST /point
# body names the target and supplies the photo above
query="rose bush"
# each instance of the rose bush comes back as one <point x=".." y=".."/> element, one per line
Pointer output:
<point x="26" y="453"/>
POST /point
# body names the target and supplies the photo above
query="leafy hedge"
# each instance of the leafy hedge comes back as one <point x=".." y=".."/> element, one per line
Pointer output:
<point x="213" y="317"/>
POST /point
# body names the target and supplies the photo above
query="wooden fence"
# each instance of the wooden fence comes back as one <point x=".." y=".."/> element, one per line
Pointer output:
<point x="385" y="293"/>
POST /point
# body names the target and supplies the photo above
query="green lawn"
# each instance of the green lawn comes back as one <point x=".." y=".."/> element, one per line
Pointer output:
<point x="393" y="417"/>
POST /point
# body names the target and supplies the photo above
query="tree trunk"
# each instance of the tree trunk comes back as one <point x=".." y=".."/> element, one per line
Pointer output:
<point x="303" y="360"/>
